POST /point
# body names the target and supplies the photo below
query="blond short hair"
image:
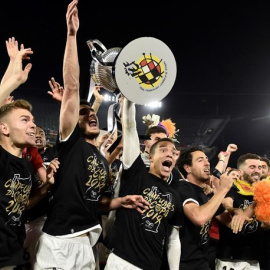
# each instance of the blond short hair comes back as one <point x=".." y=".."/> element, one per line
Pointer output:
<point x="17" y="104"/>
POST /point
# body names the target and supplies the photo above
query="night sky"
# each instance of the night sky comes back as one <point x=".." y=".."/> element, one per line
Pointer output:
<point x="222" y="52"/>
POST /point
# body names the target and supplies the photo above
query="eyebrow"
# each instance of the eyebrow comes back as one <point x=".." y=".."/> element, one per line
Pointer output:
<point x="203" y="157"/>
<point x="161" y="145"/>
<point x="27" y="116"/>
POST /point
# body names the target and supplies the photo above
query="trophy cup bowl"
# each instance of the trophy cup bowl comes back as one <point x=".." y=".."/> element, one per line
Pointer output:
<point x="102" y="65"/>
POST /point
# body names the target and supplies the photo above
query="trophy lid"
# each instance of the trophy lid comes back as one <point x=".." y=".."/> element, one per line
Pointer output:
<point x="145" y="70"/>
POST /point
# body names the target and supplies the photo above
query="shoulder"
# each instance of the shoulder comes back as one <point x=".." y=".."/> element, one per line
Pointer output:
<point x="180" y="183"/>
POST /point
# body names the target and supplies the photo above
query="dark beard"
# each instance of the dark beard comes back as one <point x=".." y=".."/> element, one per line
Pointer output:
<point x="248" y="178"/>
<point x="90" y="136"/>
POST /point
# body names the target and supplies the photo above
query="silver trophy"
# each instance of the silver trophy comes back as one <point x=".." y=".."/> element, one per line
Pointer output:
<point x="102" y="64"/>
<point x="143" y="71"/>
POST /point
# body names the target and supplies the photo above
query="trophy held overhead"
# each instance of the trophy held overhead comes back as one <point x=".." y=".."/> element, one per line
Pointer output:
<point x="143" y="71"/>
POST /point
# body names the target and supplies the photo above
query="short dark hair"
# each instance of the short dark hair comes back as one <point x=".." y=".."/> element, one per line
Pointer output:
<point x="266" y="160"/>
<point x="242" y="159"/>
<point x="155" y="129"/>
<point x="17" y="104"/>
<point x="38" y="126"/>
<point x="186" y="158"/>
<point x="154" y="146"/>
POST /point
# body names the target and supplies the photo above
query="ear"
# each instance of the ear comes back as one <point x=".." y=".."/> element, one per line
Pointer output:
<point x="150" y="158"/>
<point x="4" y="128"/>
<point x="187" y="168"/>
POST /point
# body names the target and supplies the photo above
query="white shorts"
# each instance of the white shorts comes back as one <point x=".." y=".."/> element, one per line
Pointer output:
<point x="237" y="265"/>
<point x="33" y="232"/>
<point x="64" y="253"/>
<point x="114" y="262"/>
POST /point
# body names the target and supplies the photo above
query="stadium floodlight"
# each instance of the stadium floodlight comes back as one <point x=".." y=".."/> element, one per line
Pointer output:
<point x="156" y="104"/>
<point x="109" y="98"/>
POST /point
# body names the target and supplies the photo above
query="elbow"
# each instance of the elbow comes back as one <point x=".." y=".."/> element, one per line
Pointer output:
<point x="72" y="86"/>
<point x="199" y="221"/>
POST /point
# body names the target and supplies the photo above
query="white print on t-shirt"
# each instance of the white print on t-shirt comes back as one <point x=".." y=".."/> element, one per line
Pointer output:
<point x="160" y="206"/>
<point x="252" y="226"/>
<point x="205" y="232"/>
<point x="97" y="178"/>
<point x="18" y="189"/>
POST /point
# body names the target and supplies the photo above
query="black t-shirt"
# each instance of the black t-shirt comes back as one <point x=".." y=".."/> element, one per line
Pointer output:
<point x="79" y="184"/>
<point x="194" y="239"/>
<point x="40" y="209"/>
<point x="246" y="244"/>
<point x="49" y="154"/>
<point x="15" y="186"/>
<point x="115" y="178"/>
<point x="139" y="239"/>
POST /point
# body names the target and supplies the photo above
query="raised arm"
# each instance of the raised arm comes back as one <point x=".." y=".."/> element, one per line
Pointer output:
<point x="223" y="157"/>
<point x="223" y="160"/>
<point x="17" y="76"/>
<point x="131" y="143"/>
<point x="12" y="50"/>
<point x="98" y="99"/>
<point x="69" y="113"/>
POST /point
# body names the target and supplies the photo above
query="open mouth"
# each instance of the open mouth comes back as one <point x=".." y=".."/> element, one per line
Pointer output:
<point x="167" y="165"/>
<point x="32" y="134"/>
<point x="38" y="141"/>
<point x="256" y="177"/>
<point x="92" y="123"/>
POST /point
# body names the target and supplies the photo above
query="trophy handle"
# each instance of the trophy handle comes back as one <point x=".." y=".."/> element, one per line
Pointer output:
<point x="94" y="52"/>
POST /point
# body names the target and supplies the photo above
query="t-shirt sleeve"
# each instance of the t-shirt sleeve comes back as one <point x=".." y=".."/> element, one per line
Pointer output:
<point x="138" y="167"/>
<point x="64" y="146"/>
<point x="186" y="192"/>
<point x="231" y="193"/>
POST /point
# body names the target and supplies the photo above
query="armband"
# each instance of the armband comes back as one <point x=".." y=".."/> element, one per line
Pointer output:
<point x="216" y="173"/>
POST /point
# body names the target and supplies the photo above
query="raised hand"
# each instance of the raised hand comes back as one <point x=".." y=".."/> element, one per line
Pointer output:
<point x="18" y="71"/>
<point x="151" y="120"/>
<point x="226" y="181"/>
<point x="97" y="94"/>
<point x="72" y="18"/>
<point x="231" y="148"/>
<point x="57" y="90"/>
<point x="13" y="49"/>
<point x="51" y="170"/>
